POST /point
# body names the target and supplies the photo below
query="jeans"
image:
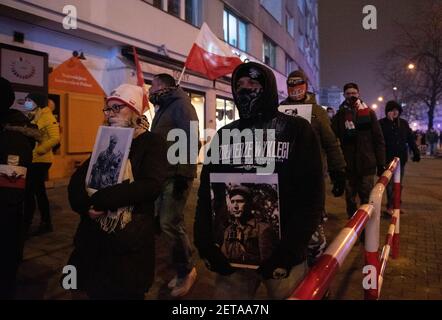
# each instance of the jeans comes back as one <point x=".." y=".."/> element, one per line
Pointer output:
<point x="357" y="185"/>
<point x="171" y="215"/>
<point x="390" y="189"/>
<point x="433" y="148"/>
<point x="36" y="188"/>
<point x="243" y="284"/>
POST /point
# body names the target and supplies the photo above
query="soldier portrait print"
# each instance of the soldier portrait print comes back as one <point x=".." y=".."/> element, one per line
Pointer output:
<point x="109" y="156"/>
<point x="246" y="217"/>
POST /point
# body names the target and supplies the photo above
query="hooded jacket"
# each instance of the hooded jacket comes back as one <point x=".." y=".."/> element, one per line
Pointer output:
<point x="366" y="150"/>
<point x="398" y="138"/>
<point x="176" y="112"/>
<point x="330" y="146"/>
<point x="299" y="172"/>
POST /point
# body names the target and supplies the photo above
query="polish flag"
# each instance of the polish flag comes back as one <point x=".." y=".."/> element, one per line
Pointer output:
<point x="140" y="80"/>
<point x="211" y="56"/>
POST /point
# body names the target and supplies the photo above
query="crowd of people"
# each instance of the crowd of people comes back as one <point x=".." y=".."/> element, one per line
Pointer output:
<point x="350" y="146"/>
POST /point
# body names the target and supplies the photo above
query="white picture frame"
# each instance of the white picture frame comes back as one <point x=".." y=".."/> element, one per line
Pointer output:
<point x="301" y="110"/>
<point x="109" y="157"/>
<point x="248" y="232"/>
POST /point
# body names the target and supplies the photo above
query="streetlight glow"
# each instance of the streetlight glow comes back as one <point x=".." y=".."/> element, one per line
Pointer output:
<point x="395" y="88"/>
<point x="380" y="99"/>
<point x="374" y="106"/>
<point x="411" y="66"/>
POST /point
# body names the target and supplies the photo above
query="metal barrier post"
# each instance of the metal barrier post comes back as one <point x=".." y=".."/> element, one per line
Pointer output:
<point x="397" y="209"/>
<point x="372" y="231"/>
<point x="317" y="281"/>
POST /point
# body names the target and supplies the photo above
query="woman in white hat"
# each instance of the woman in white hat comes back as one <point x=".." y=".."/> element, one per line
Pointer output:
<point x="114" y="253"/>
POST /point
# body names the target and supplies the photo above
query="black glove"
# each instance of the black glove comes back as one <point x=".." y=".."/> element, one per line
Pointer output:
<point x="338" y="181"/>
<point x="380" y="170"/>
<point x="278" y="266"/>
<point x="216" y="261"/>
<point x="180" y="185"/>
<point x="416" y="157"/>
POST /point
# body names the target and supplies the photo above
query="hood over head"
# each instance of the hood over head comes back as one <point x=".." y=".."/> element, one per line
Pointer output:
<point x="255" y="105"/>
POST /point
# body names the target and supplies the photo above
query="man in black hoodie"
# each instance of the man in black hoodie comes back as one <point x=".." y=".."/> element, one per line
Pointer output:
<point x="16" y="146"/>
<point x="398" y="139"/>
<point x="300" y="185"/>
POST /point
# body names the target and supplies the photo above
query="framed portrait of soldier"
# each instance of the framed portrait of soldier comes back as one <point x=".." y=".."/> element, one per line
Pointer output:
<point x="301" y="110"/>
<point x="109" y="157"/>
<point x="246" y="220"/>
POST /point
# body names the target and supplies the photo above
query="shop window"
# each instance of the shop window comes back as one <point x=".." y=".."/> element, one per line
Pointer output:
<point x="226" y="112"/>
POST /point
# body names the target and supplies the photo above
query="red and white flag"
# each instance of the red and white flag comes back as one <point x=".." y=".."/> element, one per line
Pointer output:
<point x="140" y="80"/>
<point x="211" y="56"/>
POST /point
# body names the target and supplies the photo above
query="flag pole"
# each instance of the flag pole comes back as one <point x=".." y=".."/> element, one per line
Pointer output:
<point x="181" y="75"/>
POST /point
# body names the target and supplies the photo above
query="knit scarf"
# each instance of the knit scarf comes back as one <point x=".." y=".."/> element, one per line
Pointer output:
<point x="112" y="219"/>
<point x="357" y="117"/>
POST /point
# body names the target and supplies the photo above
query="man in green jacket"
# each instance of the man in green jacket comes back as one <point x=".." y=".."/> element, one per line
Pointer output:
<point x="330" y="148"/>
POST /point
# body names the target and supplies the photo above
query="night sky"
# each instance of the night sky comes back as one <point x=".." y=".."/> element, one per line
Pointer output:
<point x="348" y="52"/>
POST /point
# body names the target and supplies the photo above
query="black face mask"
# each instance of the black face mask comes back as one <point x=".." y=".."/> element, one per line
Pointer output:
<point x="248" y="102"/>
<point x="352" y="100"/>
<point x="155" y="97"/>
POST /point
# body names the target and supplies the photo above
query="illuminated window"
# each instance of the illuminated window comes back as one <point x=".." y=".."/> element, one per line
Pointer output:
<point x="226" y="112"/>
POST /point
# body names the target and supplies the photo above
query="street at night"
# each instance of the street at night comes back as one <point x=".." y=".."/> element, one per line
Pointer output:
<point x="186" y="153"/>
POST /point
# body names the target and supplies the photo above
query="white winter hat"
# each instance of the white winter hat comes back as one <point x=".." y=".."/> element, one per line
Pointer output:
<point x="130" y="95"/>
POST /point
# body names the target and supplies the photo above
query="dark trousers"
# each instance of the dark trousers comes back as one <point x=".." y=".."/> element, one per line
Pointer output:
<point x="11" y="248"/>
<point x="36" y="189"/>
<point x="357" y="186"/>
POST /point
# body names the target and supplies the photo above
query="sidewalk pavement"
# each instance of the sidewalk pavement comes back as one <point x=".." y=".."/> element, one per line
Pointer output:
<point x="417" y="274"/>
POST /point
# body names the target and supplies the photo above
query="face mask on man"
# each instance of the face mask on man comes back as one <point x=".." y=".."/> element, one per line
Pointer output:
<point x="248" y="102"/>
<point x="296" y="88"/>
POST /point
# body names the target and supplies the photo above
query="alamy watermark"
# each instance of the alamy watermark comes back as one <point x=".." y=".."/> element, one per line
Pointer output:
<point x="370" y="21"/>
<point x="251" y="149"/>
<point x="70" y="19"/>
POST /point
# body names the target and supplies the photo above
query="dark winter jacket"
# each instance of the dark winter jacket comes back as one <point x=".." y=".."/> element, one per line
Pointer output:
<point x="176" y="112"/>
<point x="15" y="149"/>
<point x="366" y="150"/>
<point x="15" y="157"/>
<point x="122" y="260"/>
<point x="300" y="176"/>
<point x="398" y="139"/>
<point x="330" y="146"/>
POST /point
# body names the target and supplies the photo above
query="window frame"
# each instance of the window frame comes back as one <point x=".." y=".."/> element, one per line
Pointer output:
<point x="272" y="45"/>
<point x="228" y="13"/>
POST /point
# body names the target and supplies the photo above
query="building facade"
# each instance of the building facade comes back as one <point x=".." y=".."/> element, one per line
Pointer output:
<point x="331" y="97"/>
<point x="280" y="33"/>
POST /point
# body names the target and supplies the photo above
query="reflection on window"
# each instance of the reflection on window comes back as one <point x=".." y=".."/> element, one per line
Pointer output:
<point x="235" y="31"/>
<point x="173" y="7"/>
<point x="226" y="112"/>
<point x="269" y="53"/>
<point x="193" y="12"/>
<point x="290" y="25"/>
<point x="158" y="4"/>
<point x="198" y="101"/>
<point x="188" y="10"/>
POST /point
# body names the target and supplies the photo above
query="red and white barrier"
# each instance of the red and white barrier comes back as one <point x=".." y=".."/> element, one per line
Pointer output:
<point x="318" y="280"/>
